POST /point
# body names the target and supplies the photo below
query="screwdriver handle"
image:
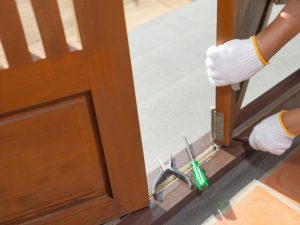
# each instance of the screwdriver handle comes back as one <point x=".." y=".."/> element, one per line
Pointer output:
<point x="199" y="175"/>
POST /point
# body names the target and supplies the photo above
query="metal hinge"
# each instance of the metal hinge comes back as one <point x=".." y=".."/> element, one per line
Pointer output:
<point x="217" y="125"/>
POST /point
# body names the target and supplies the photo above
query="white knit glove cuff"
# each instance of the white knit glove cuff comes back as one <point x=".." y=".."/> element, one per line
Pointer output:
<point x="233" y="62"/>
<point x="271" y="135"/>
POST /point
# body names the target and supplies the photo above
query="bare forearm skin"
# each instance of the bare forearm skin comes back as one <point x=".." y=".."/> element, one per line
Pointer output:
<point x="272" y="38"/>
<point x="291" y="120"/>
<point x="286" y="26"/>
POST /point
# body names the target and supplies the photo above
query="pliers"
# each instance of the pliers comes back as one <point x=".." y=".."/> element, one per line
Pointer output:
<point x="168" y="170"/>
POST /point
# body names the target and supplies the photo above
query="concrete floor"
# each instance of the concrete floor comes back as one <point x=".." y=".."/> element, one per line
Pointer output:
<point x="173" y="93"/>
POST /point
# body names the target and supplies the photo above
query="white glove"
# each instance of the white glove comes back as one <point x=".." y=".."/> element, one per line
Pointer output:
<point x="271" y="135"/>
<point x="233" y="62"/>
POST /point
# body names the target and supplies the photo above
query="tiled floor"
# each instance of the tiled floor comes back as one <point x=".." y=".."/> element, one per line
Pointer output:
<point x="260" y="207"/>
<point x="138" y="12"/>
<point x="286" y="178"/>
<point x="273" y="200"/>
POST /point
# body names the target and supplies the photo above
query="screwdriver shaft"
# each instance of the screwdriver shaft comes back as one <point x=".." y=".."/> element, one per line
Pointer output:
<point x="188" y="148"/>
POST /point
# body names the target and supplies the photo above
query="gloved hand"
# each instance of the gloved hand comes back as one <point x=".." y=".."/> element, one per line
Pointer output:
<point x="233" y="61"/>
<point x="271" y="135"/>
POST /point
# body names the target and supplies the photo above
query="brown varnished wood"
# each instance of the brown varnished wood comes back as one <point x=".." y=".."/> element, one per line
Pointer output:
<point x="86" y="21"/>
<point x="70" y="145"/>
<point x="114" y="91"/>
<point x="85" y="211"/>
<point x="74" y="177"/>
<point x="236" y="19"/>
<point x="12" y="35"/>
<point x="16" y="86"/>
<point x="225" y="96"/>
<point x="50" y="27"/>
<point x="225" y="103"/>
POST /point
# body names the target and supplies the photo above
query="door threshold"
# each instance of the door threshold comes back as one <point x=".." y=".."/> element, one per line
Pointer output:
<point x="176" y="194"/>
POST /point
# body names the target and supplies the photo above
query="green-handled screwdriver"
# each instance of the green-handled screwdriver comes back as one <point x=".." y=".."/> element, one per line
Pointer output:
<point x="198" y="173"/>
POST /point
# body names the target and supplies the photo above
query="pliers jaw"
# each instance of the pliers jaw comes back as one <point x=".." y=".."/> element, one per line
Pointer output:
<point x="169" y="170"/>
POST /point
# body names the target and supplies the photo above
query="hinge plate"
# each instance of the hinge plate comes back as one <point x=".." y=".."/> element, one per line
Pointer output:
<point x="217" y="125"/>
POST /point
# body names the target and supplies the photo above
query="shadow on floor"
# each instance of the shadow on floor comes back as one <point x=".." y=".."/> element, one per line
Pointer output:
<point x="216" y="198"/>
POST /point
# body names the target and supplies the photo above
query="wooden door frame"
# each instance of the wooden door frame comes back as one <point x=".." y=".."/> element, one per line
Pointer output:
<point x="230" y="26"/>
<point x="216" y="162"/>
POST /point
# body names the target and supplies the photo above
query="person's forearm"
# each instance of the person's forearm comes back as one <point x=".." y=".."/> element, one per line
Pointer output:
<point x="291" y="120"/>
<point x="286" y="26"/>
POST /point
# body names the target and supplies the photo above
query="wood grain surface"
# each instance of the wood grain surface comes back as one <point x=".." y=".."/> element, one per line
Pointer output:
<point x="70" y="145"/>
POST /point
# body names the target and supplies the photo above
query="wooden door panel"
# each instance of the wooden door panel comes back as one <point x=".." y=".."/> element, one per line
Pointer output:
<point x="43" y="81"/>
<point x="70" y="146"/>
<point x="91" y="212"/>
<point x="56" y="164"/>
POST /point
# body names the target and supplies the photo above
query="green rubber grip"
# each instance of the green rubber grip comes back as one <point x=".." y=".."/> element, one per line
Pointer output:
<point x="199" y="175"/>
